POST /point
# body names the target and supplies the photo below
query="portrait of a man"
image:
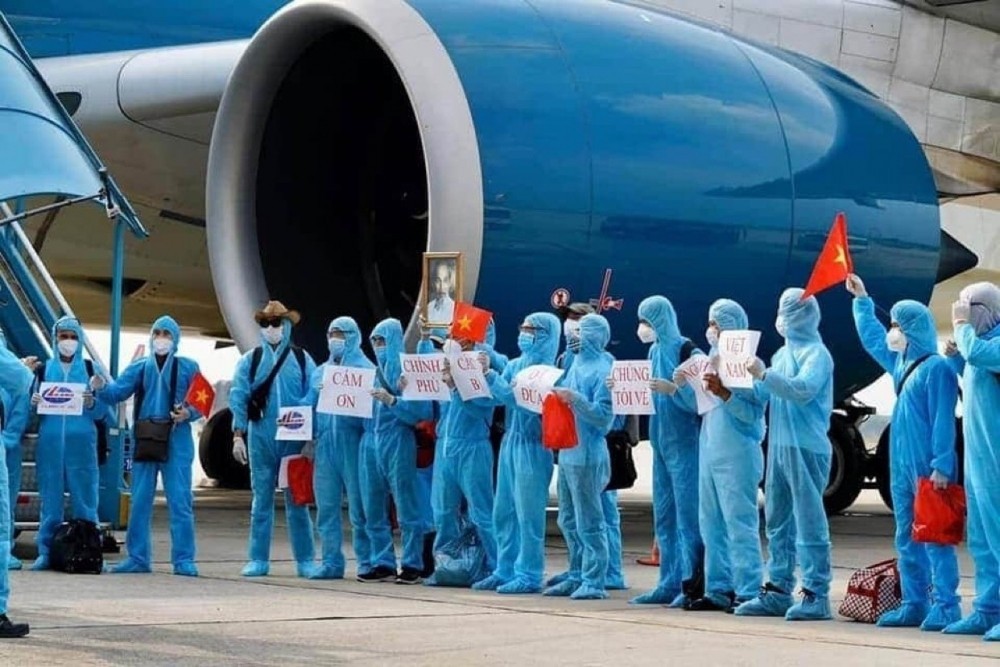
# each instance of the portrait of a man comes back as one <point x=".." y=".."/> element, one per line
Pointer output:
<point x="443" y="282"/>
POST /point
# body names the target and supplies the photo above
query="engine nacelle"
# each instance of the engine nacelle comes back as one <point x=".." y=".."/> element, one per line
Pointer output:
<point x="547" y="141"/>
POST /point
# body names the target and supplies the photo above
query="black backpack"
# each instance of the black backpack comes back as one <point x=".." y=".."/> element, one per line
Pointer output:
<point x="76" y="548"/>
<point x="102" y="428"/>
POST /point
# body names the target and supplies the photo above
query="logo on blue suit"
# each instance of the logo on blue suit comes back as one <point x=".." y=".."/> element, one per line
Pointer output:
<point x="293" y="421"/>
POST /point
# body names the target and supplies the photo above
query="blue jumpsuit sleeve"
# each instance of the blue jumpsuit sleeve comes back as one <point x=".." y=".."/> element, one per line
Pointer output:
<point x="942" y="395"/>
<point x="239" y="394"/>
<point x="15" y="378"/>
<point x="956" y="363"/>
<point x="481" y="408"/>
<point x="746" y="405"/>
<point x="425" y="346"/>
<point x="981" y="353"/>
<point x="121" y="389"/>
<point x="307" y="388"/>
<point x="813" y="374"/>
<point x="685" y="399"/>
<point x="312" y="396"/>
<point x="599" y="412"/>
<point x="498" y="362"/>
<point x="17" y="411"/>
<point x="500" y="387"/>
<point x="412" y="412"/>
<point x="872" y="334"/>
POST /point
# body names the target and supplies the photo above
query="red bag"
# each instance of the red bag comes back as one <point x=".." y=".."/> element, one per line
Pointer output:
<point x="558" y="424"/>
<point x="871" y="592"/>
<point x="938" y="516"/>
<point x="300" y="481"/>
<point x="426" y="440"/>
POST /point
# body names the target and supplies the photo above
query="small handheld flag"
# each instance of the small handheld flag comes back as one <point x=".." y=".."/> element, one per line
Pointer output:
<point x="470" y="323"/>
<point x="201" y="395"/>
<point x="834" y="263"/>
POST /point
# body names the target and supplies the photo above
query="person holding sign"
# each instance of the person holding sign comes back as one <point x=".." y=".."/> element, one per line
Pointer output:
<point x="799" y="386"/>
<point x="525" y="469"/>
<point x="922" y="445"/>
<point x="339" y="437"/>
<point x="271" y="377"/>
<point x="159" y="383"/>
<point x="673" y="432"/>
<point x="390" y="464"/>
<point x="66" y="454"/>
<point x="730" y="465"/>
<point x="584" y="470"/>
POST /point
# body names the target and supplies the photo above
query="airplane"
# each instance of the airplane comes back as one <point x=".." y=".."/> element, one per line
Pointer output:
<point x="312" y="151"/>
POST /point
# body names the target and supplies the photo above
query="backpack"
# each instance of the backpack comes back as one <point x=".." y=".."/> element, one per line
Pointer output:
<point x="258" y="395"/>
<point x="99" y="424"/>
<point x="258" y="354"/>
<point x="76" y="548"/>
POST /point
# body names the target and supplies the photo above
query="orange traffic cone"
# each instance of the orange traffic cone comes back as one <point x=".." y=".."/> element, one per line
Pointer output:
<point x="654" y="556"/>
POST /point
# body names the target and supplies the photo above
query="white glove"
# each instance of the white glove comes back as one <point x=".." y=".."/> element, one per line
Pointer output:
<point x="88" y="399"/>
<point x="568" y="396"/>
<point x="663" y="387"/>
<point x="856" y="286"/>
<point x="36" y="398"/>
<point x="97" y="382"/>
<point x="309" y="450"/>
<point x="484" y="361"/>
<point x="950" y="348"/>
<point x="939" y="481"/>
<point x="181" y="415"/>
<point x="756" y="368"/>
<point x="402" y="383"/>
<point x="240" y="450"/>
<point x="31" y="362"/>
<point x="383" y="397"/>
<point x="679" y="379"/>
<point x="961" y="311"/>
<point x="447" y="378"/>
<point x="609" y="382"/>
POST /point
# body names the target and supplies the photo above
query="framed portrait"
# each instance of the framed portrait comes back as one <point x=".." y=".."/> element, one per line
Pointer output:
<point x="441" y="287"/>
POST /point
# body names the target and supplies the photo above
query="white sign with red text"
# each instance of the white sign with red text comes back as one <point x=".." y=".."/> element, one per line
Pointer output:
<point x="736" y="348"/>
<point x="424" y="377"/>
<point x="533" y="384"/>
<point x="467" y="373"/>
<point x="694" y="370"/>
<point x="346" y="392"/>
<point x="631" y="394"/>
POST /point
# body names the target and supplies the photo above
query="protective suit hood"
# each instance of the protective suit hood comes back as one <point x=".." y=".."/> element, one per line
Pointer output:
<point x="547" y="338"/>
<point x="729" y="315"/>
<point x="392" y="331"/>
<point x="163" y="323"/>
<point x="595" y="334"/>
<point x="985" y="298"/>
<point x="67" y="324"/>
<point x="802" y="316"/>
<point x="353" y="355"/>
<point x="917" y="323"/>
<point x="660" y="313"/>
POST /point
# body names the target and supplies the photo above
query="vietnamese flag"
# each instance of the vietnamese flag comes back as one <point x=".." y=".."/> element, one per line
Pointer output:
<point x="470" y="323"/>
<point x="201" y="395"/>
<point x="834" y="263"/>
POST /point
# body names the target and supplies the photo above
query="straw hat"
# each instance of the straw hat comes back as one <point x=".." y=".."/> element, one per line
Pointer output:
<point x="276" y="309"/>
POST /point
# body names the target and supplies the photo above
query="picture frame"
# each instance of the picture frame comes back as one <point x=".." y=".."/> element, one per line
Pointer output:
<point x="441" y="288"/>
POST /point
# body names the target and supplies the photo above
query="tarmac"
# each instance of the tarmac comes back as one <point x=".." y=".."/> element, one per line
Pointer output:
<point x="223" y="619"/>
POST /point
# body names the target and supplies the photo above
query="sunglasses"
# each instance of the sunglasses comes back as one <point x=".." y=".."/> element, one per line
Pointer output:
<point x="272" y="322"/>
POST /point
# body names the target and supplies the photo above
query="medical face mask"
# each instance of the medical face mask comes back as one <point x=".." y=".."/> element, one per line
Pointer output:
<point x="162" y="346"/>
<point x="68" y="348"/>
<point x="646" y="334"/>
<point x="896" y="340"/>
<point x="712" y="336"/>
<point x="337" y="347"/>
<point x="272" y="335"/>
<point x="525" y="342"/>
<point x="779" y="325"/>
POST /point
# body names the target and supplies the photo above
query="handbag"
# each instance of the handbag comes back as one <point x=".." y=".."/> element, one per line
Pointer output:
<point x="623" y="472"/>
<point x="871" y="592"/>
<point x="152" y="436"/>
<point x="300" y="481"/>
<point x="558" y="424"/>
<point x="938" y="515"/>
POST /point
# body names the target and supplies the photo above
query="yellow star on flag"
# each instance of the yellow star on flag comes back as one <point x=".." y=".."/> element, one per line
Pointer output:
<point x="202" y="396"/>
<point x="841" y="256"/>
<point x="465" y="324"/>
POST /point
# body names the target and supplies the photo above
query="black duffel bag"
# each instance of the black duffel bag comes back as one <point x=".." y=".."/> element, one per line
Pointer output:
<point x="623" y="473"/>
<point x="76" y="548"/>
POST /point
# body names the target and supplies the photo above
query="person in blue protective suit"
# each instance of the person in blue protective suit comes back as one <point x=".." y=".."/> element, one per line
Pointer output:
<point x="389" y="465"/>
<point x="730" y="466"/>
<point x="338" y="443"/>
<point x="15" y="380"/>
<point x="799" y="385"/>
<point x="976" y="319"/>
<point x="584" y="470"/>
<point x="922" y="444"/>
<point x="158" y="397"/>
<point x="66" y="454"/>
<point x="290" y="370"/>
<point x="16" y="410"/>
<point x="525" y="469"/>
<point x="673" y="434"/>
<point x="615" y="578"/>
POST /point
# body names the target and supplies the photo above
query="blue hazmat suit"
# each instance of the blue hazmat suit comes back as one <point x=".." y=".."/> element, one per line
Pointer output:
<point x="673" y="433"/>
<point x="922" y="440"/>
<point x="176" y="472"/>
<point x="799" y="385"/>
<point x="731" y="464"/>
<point x="15" y="380"/>
<point x="66" y="454"/>
<point x="584" y="470"/>
<point x="339" y="440"/>
<point x="291" y="388"/>
<point x="389" y="463"/>
<point x="979" y="345"/>
<point x="525" y="469"/>
<point x="16" y="411"/>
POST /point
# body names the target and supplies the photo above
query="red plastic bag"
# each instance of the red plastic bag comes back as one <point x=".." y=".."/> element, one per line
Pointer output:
<point x="426" y="432"/>
<point x="300" y="481"/>
<point x="938" y="516"/>
<point x="558" y="424"/>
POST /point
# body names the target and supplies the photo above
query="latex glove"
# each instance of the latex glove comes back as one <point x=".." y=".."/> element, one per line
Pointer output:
<point x="950" y="348"/>
<point x="609" y="382"/>
<point x="36" y="398"/>
<point x="856" y="286"/>
<point x="447" y="378"/>
<point x="383" y="397"/>
<point x="484" y="361"/>
<point x="181" y="415"/>
<point x="88" y="399"/>
<point x="309" y="450"/>
<point x="939" y="481"/>
<point x="679" y="379"/>
<point x="97" y="382"/>
<point x="756" y="368"/>
<point x="568" y="396"/>
<point x="240" y="450"/>
<point x="31" y="362"/>
<point x="961" y="312"/>
<point x="663" y="387"/>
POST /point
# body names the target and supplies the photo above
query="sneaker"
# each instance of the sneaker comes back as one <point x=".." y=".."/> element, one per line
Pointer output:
<point x="10" y="630"/>
<point x="409" y="577"/>
<point x="811" y="608"/>
<point x="772" y="601"/>
<point x="380" y="573"/>
<point x="709" y="603"/>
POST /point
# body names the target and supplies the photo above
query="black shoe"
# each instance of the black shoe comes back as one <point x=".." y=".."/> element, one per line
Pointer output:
<point x="428" y="555"/>
<point x="706" y="604"/>
<point x="381" y="573"/>
<point x="10" y="630"/>
<point x="409" y="576"/>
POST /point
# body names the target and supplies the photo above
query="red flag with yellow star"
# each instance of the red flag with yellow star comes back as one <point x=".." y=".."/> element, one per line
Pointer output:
<point x="470" y="323"/>
<point x="834" y="263"/>
<point x="201" y="395"/>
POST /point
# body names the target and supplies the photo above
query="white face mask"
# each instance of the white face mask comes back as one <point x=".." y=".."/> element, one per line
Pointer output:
<point x="896" y="340"/>
<point x="162" y="346"/>
<point x="646" y="334"/>
<point x="273" y="335"/>
<point x="712" y="336"/>
<point x="779" y="325"/>
<point x="68" y="348"/>
<point x="571" y="328"/>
